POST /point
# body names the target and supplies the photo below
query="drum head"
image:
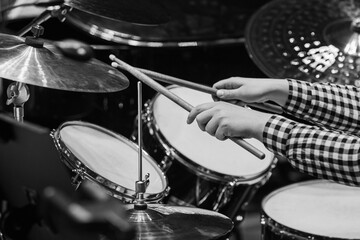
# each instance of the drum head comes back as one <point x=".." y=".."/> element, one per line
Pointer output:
<point x="111" y="156"/>
<point x="224" y="157"/>
<point x="317" y="207"/>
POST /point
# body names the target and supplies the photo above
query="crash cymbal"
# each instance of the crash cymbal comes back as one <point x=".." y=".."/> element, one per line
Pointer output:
<point x="160" y="221"/>
<point x="135" y="11"/>
<point x="201" y="22"/>
<point x="312" y="40"/>
<point x="46" y="66"/>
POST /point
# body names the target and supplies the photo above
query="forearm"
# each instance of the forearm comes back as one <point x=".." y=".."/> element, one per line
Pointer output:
<point x="316" y="151"/>
<point x="332" y="106"/>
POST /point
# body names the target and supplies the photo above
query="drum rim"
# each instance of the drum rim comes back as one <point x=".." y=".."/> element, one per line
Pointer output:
<point x="116" y="190"/>
<point x="136" y="41"/>
<point x="267" y="220"/>
<point x="191" y="165"/>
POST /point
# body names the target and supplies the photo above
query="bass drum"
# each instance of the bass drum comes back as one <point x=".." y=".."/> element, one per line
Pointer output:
<point x="315" y="209"/>
<point x="202" y="171"/>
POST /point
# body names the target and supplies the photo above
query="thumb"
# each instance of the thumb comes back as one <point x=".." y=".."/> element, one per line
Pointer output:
<point x="226" y="94"/>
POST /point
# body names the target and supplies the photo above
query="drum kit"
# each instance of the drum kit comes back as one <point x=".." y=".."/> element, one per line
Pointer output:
<point x="311" y="40"/>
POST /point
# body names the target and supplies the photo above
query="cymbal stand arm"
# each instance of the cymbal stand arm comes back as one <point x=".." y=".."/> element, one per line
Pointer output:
<point x="18" y="93"/>
<point x="54" y="11"/>
<point x="140" y="185"/>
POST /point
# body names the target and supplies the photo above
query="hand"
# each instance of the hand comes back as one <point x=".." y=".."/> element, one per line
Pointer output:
<point x="250" y="90"/>
<point x="224" y="120"/>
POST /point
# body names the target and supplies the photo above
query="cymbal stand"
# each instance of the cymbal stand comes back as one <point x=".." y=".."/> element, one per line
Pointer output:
<point x="18" y="93"/>
<point x="140" y="185"/>
<point x="58" y="11"/>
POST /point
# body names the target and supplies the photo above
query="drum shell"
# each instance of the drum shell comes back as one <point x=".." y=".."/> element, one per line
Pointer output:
<point x="272" y="230"/>
<point x="82" y="171"/>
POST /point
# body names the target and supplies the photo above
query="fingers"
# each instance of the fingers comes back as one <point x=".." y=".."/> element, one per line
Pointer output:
<point x="229" y="83"/>
<point x="220" y="134"/>
<point x="198" y="110"/>
<point x="227" y="94"/>
<point x="228" y="88"/>
<point x="206" y="120"/>
<point x="210" y="125"/>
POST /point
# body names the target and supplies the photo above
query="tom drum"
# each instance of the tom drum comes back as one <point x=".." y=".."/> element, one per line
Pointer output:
<point x="314" y="209"/>
<point x="109" y="160"/>
<point x="202" y="171"/>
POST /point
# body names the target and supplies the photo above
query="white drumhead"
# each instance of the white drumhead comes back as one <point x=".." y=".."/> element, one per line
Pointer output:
<point x="224" y="157"/>
<point x="114" y="158"/>
<point x="317" y="207"/>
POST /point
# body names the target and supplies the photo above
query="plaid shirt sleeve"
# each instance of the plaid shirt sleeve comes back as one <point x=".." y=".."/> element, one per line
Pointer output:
<point x="329" y="105"/>
<point x="315" y="150"/>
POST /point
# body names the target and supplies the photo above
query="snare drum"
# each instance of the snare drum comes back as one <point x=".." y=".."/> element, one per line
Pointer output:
<point x="202" y="171"/>
<point x="109" y="160"/>
<point x="315" y="209"/>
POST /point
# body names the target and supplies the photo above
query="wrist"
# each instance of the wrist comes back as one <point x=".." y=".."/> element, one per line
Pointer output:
<point x="263" y="118"/>
<point x="279" y="91"/>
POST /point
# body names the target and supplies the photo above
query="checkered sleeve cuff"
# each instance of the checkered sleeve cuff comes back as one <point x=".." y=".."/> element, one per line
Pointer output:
<point x="325" y="104"/>
<point x="299" y="97"/>
<point x="276" y="134"/>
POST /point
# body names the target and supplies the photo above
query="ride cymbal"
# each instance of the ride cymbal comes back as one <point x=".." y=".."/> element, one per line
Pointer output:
<point x="199" y="23"/>
<point x="160" y="221"/>
<point x="134" y="11"/>
<point x="312" y="40"/>
<point x="43" y="64"/>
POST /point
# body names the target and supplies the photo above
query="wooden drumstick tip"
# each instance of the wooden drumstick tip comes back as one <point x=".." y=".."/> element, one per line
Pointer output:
<point x="114" y="64"/>
<point x="112" y="57"/>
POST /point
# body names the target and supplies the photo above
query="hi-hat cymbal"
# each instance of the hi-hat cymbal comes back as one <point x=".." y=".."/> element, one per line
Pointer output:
<point x="312" y="40"/>
<point x="135" y="11"/>
<point x="176" y="222"/>
<point x="46" y="66"/>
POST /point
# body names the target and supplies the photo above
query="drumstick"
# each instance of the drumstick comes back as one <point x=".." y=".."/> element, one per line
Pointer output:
<point x="187" y="106"/>
<point x="203" y="88"/>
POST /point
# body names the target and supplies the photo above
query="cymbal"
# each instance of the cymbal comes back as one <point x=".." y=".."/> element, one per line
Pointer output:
<point x="135" y="11"/>
<point x="46" y="66"/>
<point x="160" y="221"/>
<point x="312" y="40"/>
<point x="201" y="23"/>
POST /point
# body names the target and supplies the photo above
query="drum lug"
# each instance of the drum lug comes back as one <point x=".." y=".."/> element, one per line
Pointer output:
<point x="147" y="180"/>
<point x="166" y="163"/>
<point x="78" y="178"/>
<point x="147" y="113"/>
<point x="167" y="191"/>
<point x="224" y="196"/>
